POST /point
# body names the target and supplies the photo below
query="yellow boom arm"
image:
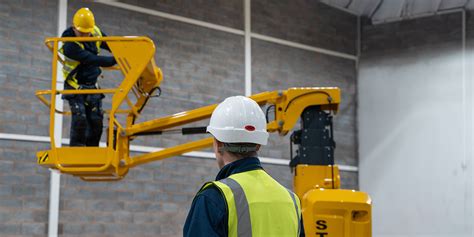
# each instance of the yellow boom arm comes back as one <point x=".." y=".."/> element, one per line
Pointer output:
<point x="141" y="77"/>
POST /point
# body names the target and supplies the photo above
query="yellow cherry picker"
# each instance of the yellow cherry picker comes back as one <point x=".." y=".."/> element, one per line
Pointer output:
<point x="327" y="210"/>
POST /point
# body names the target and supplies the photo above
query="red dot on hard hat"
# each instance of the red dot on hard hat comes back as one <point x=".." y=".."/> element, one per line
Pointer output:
<point x="249" y="128"/>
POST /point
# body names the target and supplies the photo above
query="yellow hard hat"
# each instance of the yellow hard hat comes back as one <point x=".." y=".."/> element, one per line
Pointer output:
<point x="84" y="20"/>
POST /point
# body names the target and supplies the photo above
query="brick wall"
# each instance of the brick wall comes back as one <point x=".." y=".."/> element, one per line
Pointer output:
<point x="307" y="22"/>
<point x="152" y="201"/>
<point x="227" y="13"/>
<point x="414" y="34"/>
<point x="24" y="190"/>
<point x="276" y="67"/>
<point x="24" y="68"/>
<point x="25" y="64"/>
<point x="201" y="67"/>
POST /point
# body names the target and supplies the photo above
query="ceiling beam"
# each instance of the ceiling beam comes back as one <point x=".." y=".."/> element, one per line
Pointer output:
<point x="465" y="4"/>
<point x="376" y="8"/>
<point x="439" y="5"/>
<point x="403" y="6"/>
<point x="348" y="4"/>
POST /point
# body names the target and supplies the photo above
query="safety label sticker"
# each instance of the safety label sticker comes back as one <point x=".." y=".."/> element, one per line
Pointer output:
<point x="43" y="158"/>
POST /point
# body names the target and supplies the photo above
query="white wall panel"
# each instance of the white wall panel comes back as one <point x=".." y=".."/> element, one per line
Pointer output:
<point x="413" y="159"/>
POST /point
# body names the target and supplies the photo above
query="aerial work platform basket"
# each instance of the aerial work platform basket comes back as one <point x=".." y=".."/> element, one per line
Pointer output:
<point x="141" y="77"/>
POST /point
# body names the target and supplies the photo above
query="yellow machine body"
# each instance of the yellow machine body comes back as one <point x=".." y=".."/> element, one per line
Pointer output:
<point x="327" y="211"/>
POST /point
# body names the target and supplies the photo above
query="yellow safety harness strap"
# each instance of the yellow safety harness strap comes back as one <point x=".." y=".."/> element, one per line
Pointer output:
<point x="70" y="68"/>
<point x="70" y="65"/>
<point x="71" y="79"/>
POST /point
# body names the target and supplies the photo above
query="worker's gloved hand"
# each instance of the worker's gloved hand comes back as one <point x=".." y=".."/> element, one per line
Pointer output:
<point x="110" y="61"/>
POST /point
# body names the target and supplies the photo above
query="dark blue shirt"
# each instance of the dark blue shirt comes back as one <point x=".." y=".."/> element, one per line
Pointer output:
<point x="208" y="214"/>
<point x="89" y="70"/>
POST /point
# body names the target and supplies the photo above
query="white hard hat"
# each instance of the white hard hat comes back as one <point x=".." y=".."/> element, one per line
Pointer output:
<point x="239" y="119"/>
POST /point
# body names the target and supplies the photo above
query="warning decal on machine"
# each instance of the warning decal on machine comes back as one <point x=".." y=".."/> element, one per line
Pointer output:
<point x="43" y="158"/>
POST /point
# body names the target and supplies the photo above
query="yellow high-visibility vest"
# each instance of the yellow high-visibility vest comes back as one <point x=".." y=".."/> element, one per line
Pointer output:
<point x="71" y="64"/>
<point x="258" y="205"/>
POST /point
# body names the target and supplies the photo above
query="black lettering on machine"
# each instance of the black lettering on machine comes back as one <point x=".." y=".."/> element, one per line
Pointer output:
<point x="321" y="225"/>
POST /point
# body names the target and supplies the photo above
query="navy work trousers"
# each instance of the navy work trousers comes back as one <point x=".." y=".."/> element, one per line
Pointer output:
<point x="86" y="121"/>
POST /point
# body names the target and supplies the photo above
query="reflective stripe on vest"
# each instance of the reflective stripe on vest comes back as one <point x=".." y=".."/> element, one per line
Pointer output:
<point x="71" y="64"/>
<point x="258" y="205"/>
<point x="296" y="203"/>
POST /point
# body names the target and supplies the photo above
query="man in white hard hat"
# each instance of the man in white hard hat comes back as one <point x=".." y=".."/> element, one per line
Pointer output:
<point x="244" y="200"/>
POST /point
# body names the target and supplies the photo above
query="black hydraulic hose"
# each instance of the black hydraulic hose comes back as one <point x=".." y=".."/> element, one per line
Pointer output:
<point x="194" y="130"/>
<point x="183" y="131"/>
<point x="267" y="111"/>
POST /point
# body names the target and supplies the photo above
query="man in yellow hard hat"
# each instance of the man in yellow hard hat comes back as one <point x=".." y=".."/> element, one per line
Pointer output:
<point x="81" y="70"/>
<point x="244" y="200"/>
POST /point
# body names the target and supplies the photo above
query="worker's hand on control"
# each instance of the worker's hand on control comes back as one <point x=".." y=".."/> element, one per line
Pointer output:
<point x="114" y="61"/>
<point x="109" y="61"/>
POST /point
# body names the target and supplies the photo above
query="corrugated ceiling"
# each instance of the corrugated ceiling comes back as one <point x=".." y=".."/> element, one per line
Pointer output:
<point x="393" y="10"/>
